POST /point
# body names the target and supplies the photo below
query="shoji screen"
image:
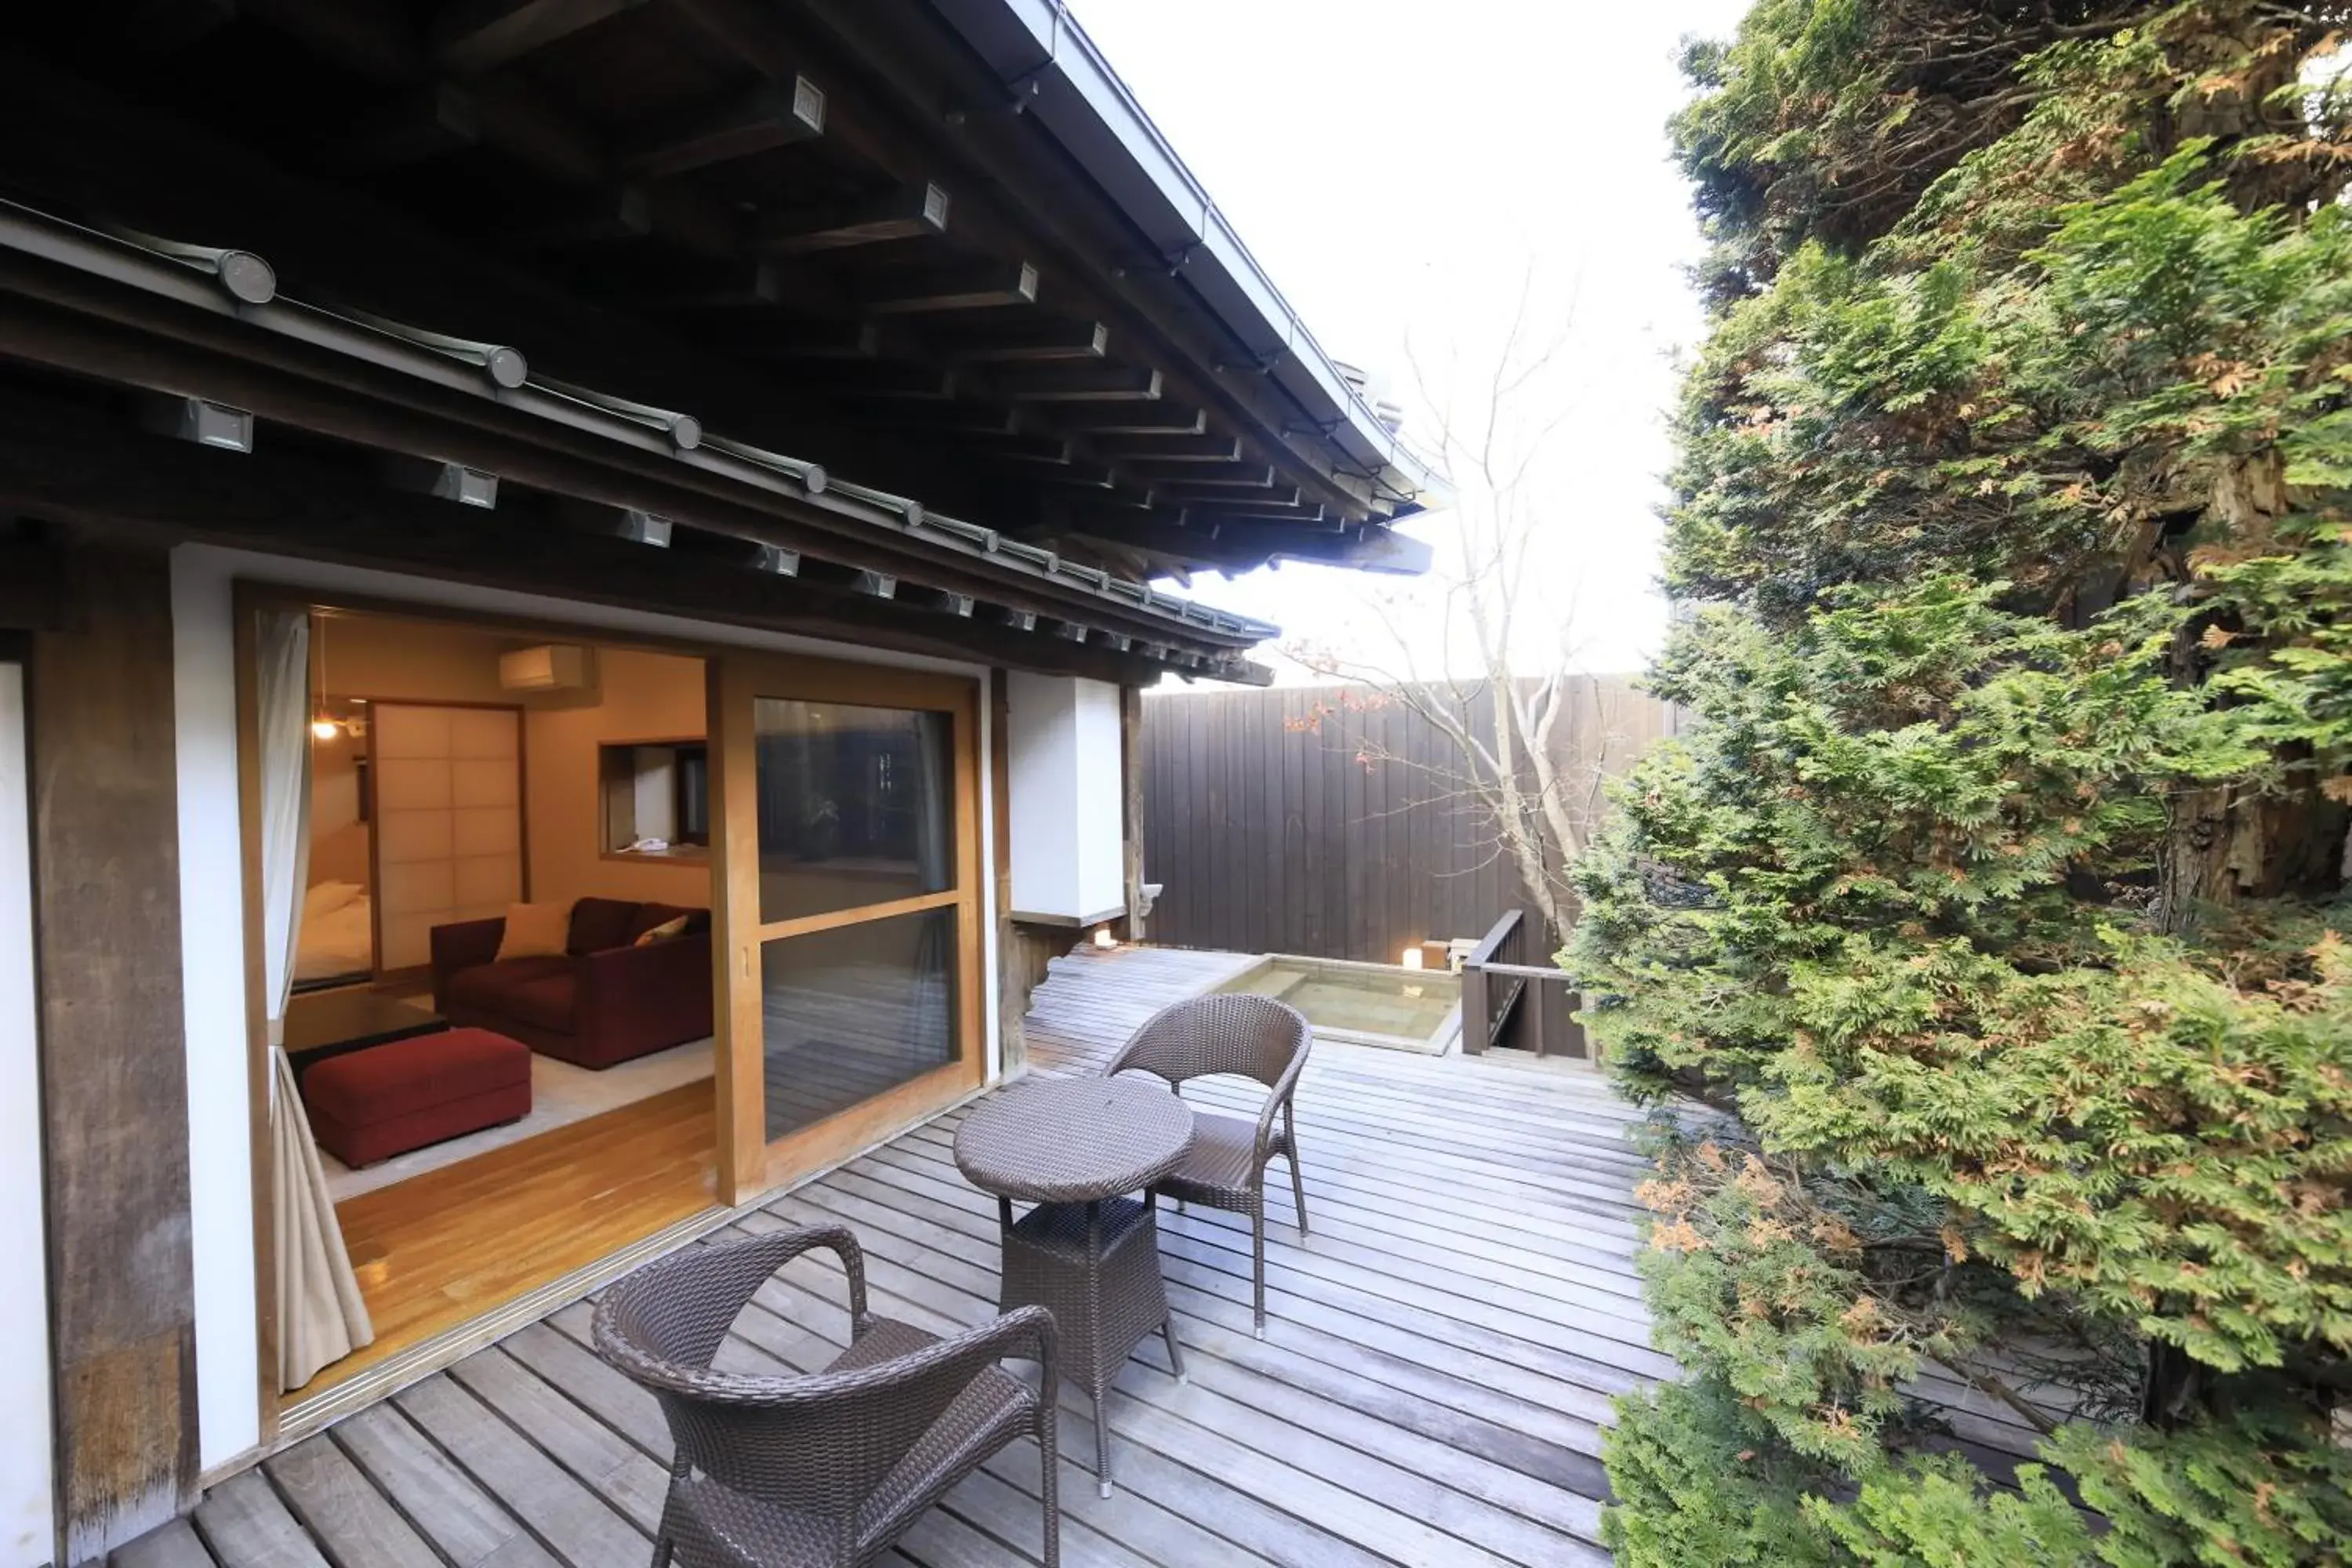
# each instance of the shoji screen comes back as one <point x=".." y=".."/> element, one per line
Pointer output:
<point x="448" y="821"/>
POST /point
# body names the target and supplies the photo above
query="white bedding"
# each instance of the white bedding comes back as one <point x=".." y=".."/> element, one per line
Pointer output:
<point x="335" y="940"/>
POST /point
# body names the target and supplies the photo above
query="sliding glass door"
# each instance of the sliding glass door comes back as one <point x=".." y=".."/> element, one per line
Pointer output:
<point x="846" y="800"/>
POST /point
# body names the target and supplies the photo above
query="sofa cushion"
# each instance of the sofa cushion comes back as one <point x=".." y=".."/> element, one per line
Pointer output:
<point x="413" y="1075"/>
<point x="601" y="924"/>
<point x="486" y="985"/>
<point x="533" y="930"/>
<point x="649" y="916"/>
<point x="542" y="1001"/>
<point x="661" y="932"/>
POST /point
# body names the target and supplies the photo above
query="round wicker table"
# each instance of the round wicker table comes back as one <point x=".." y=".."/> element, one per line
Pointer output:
<point x="1087" y="1252"/>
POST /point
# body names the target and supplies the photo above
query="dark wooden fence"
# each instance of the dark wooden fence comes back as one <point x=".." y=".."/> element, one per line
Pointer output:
<point x="1317" y="820"/>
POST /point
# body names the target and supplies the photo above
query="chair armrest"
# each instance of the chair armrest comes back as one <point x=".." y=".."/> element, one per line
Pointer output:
<point x="467" y="945"/>
<point x="724" y="1276"/>
<point x="1278" y="1098"/>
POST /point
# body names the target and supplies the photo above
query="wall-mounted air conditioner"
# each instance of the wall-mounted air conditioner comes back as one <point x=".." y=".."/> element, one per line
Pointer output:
<point x="553" y="666"/>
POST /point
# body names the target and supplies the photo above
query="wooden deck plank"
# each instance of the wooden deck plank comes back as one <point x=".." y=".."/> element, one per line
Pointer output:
<point x="175" y="1545"/>
<point x="576" y="1525"/>
<point x="247" y="1527"/>
<point x="1433" y="1388"/>
<point x="458" y="1517"/>
<point x="354" y="1522"/>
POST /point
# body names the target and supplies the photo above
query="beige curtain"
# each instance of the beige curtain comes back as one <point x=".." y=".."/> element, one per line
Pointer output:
<point x="321" y="1317"/>
<point x="283" y="701"/>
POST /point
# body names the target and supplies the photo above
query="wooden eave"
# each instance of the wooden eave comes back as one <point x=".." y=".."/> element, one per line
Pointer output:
<point x="726" y="184"/>
<point x="80" y="303"/>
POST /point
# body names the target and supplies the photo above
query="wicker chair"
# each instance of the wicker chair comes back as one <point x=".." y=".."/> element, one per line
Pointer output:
<point x="831" y="1467"/>
<point x="1256" y="1038"/>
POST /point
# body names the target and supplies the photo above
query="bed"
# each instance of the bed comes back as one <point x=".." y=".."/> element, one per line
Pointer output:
<point x="336" y="939"/>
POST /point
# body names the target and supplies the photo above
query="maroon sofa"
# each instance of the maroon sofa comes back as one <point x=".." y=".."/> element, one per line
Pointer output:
<point x="604" y="1001"/>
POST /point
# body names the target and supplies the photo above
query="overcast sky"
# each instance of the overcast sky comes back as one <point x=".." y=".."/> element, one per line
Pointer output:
<point x="1405" y="172"/>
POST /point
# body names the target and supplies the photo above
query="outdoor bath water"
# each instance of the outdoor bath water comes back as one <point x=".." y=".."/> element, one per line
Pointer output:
<point x="1362" y="1003"/>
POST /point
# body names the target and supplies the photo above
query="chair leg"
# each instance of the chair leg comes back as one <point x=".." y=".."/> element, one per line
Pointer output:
<point x="1049" y="1453"/>
<point x="1257" y="1264"/>
<point x="1298" y="1185"/>
<point x="664" y="1542"/>
<point x="1175" y="1350"/>
<point x="1102" y="1449"/>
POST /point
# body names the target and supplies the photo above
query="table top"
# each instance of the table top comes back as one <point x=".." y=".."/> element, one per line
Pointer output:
<point x="1074" y="1140"/>
<point x="352" y="1018"/>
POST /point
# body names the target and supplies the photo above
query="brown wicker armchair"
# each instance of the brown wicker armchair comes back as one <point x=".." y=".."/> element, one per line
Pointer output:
<point x="1256" y="1038"/>
<point x="831" y="1467"/>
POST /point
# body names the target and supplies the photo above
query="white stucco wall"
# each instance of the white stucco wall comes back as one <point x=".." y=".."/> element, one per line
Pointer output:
<point x="1068" y="823"/>
<point x="212" y="919"/>
<point x="27" y="1531"/>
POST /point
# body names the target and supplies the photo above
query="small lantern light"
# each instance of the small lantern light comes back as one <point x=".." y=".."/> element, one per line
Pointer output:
<point x="1103" y="937"/>
<point x="1410" y="958"/>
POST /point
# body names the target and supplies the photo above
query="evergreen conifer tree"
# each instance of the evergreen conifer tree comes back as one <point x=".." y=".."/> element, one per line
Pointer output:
<point x="1997" y="895"/>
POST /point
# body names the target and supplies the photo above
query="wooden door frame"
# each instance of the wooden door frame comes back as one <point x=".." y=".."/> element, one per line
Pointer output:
<point x="749" y="1163"/>
<point x="249" y="597"/>
<point x="885" y="1115"/>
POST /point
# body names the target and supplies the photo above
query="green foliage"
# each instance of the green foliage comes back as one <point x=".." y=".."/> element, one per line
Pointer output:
<point x="1997" y="888"/>
<point x="1701" y="1484"/>
<point x="1936" y="1512"/>
<point x="1698" y="1482"/>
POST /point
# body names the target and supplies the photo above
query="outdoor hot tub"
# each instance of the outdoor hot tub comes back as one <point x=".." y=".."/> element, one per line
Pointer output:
<point x="1362" y="1003"/>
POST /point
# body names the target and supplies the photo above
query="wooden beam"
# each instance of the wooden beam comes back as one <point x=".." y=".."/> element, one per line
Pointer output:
<point x="1022" y="341"/>
<point x="369" y="38"/>
<point x="960" y="605"/>
<point x="617" y="214"/>
<point x="801" y="339"/>
<point x="909" y="212"/>
<point x="1049" y="449"/>
<point x="892" y="382"/>
<point x="432" y="123"/>
<point x="952" y="285"/>
<point x="1134" y="419"/>
<point x="106" y="907"/>
<point x="776" y="115"/>
<point x="1263" y="497"/>
<point x="968" y="421"/>
<point x="762" y="287"/>
<point x="84" y="468"/>
<point x="1157" y="449"/>
<point x="1310" y="515"/>
<point x="1080" y="384"/>
<point x="1236" y="476"/>
<point x="478" y="35"/>
<point x="163" y="27"/>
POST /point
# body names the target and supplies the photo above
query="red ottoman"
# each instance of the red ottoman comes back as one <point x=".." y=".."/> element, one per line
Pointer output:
<point x="387" y="1099"/>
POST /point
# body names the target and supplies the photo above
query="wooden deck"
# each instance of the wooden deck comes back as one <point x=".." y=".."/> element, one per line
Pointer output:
<point x="1439" y="1356"/>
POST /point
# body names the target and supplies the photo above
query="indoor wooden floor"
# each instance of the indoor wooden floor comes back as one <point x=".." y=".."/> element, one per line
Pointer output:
<point x="437" y="1250"/>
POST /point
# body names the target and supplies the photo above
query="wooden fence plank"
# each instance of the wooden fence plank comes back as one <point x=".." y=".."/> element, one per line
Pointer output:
<point x="1320" y="821"/>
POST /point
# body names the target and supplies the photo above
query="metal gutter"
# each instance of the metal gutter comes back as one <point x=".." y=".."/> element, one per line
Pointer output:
<point x="500" y="373"/>
<point x="1047" y="62"/>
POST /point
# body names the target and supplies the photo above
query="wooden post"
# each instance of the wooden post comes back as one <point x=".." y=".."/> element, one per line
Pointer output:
<point x="113" y="1053"/>
<point x="1131" y="772"/>
<point x="1473" y="1009"/>
<point x="1013" y="981"/>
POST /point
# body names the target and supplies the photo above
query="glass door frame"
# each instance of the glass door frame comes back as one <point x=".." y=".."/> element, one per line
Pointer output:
<point x="748" y="1163"/>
